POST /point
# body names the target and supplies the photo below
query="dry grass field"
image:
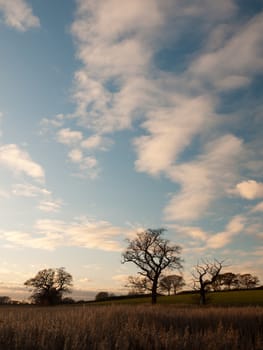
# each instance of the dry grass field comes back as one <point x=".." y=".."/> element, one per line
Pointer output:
<point x="131" y="327"/>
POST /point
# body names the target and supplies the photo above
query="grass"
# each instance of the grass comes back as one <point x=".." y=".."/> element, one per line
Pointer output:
<point x="228" y="298"/>
<point x="95" y="327"/>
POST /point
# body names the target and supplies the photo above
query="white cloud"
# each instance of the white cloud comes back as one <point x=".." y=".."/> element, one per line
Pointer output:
<point x="19" y="161"/>
<point x="50" y="205"/>
<point x="233" y="228"/>
<point x="18" y="14"/>
<point x="16" y="238"/>
<point x="75" y="155"/>
<point x="51" y="123"/>
<point x="85" y="233"/>
<point x="243" y="53"/>
<point x="236" y="224"/>
<point x="29" y="190"/>
<point x="171" y="131"/>
<point x="106" y="52"/>
<point x="89" y="163"/>
<point x="96" y="142"/>
<point x="204" y="179"/>
<point x="50" y="234"/>
<point x="175" y="110"/>
<point x="250" y="189"/>
<point x="196" y="238"/>
<point x="69" y="137"/>
<point x="258" y="207"/>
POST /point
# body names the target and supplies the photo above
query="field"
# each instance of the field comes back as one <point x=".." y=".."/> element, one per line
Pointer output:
<point x="106" y="327"/>
<point x="229" y="298"/>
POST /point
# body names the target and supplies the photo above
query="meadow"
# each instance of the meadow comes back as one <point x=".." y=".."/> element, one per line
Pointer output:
<point x="106" y="327"/>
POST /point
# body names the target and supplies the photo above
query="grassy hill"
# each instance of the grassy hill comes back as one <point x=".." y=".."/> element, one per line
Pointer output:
<point x="227" y="298"/>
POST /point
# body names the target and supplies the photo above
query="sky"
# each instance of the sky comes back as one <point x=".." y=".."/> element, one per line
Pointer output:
<point x="118" y="116"/>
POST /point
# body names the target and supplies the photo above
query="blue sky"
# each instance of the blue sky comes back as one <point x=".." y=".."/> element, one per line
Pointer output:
<point x="119" y="116"/>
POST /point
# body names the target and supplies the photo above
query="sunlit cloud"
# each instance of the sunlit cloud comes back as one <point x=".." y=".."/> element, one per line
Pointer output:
<point x="258" y="207"/>
<point x="50" y="205"/>
<point x="18" y="14"/>
<point x="20" y="162"/>
<point x="29" y="190"/>
<point x="204" y="179"/>
<point x="50" y="234"/>
<point x="211" y="66"/>
<point x="69" y="137"/>
<point x="250" y="189"/>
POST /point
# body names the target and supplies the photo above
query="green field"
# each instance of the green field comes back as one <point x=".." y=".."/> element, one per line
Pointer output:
<point x="228" y="298"/>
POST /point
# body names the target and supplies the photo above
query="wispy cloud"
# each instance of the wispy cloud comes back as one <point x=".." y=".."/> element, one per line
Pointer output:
<point x="198" y="238"/>
<point x="50" y="205"/>
<point x="211" y="67"/>
<point x="170" y="130"/>
<point x="258" y="207"/>
<point x="29" y="190"/>
<point x="176" y="110"/>
<point x="50" y="234"/>
<point x="18" y="14"/>
<point x="46" y="201"/>
<point x="19" y="161"/>
<point x="69" y="137"/>
<point x="204" y="179"/>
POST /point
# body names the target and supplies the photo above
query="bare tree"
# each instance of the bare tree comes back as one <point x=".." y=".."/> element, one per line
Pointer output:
<point x="205" y="275"/>
<point x="49" y="285"/>
<point x="152" y="254"/>
<point x="172" y="282"/>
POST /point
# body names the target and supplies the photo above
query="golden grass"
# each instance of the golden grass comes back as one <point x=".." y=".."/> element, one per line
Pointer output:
<point x="131" y="327"/>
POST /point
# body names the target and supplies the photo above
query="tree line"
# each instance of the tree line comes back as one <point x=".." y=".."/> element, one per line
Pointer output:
<point x="153" y="255"/>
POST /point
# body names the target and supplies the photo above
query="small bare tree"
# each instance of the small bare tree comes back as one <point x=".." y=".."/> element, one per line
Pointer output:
<point x="205" y="275"/>
<point x="152" y="254"/>
<point x="138" y="284"/>
<point x="171" y="282"/>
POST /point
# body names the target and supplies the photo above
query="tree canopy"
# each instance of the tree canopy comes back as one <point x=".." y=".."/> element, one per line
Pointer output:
<point x="49" y="285"/>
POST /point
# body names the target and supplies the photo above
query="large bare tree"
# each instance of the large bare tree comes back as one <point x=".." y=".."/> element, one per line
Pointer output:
<point x="152" y="254"/>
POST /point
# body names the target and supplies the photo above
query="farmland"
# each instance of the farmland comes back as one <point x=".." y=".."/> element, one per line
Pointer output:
<point x="130" y="327"/>
<point x="227" y="298"/>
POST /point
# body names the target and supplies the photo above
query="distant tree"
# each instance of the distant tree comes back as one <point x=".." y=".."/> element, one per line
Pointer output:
<point x="102" y="296"/>
<point x="5" y="300"/>
<point x="205" y="275"/>
<point x="68" y="300"/>
<point x="49" y="285"/>
<point x="171" y="283"/>
<point x="247" y="281"/>
<point x="152" y="254"/>
<point x="138" y="285"/>
<point x="228" y="279"/>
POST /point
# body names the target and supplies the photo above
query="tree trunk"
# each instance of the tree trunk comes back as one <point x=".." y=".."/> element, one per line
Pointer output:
<point x="154" y="291"/>
<point x="202" y="296"/>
